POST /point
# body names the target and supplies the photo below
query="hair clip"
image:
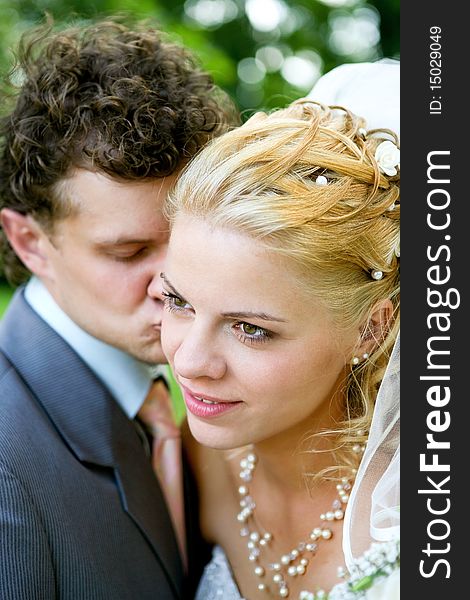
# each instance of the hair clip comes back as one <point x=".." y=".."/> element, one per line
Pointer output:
<point x="321" y="180"/>
<point x="387" y="156"/>
<point x="376" y="274"/>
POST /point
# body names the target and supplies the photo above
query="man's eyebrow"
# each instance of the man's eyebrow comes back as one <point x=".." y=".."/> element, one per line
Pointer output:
<point x="124" y="241"/>
<point x="234" y="315"/>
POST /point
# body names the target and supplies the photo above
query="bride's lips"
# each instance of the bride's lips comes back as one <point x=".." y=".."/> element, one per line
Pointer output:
<point x="205" y="406"/>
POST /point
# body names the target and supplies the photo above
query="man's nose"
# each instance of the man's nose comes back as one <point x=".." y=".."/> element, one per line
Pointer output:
<point x="155" y="287"/>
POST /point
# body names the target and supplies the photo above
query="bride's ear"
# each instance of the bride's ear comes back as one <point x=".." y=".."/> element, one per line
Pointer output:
<point x="374" y="331"/>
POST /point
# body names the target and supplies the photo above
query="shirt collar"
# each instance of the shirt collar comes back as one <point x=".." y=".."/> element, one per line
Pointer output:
<point x="127" y="379"/>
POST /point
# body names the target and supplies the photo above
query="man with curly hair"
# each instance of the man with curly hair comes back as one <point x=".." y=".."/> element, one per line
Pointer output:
<point x="104" y="119"/>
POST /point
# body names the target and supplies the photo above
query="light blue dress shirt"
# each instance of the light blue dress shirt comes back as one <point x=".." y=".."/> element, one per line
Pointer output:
<point x="127" y="379"/>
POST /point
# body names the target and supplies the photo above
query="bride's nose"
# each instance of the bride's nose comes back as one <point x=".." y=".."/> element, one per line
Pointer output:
<point x="198" y="355"/>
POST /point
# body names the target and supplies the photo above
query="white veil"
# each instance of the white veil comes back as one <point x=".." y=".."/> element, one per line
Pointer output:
<point x="372" y="90"/>
<point x="375" y="496"/>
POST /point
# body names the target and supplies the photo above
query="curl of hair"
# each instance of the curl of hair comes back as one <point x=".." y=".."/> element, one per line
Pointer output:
<point x="260" y="179"/>
<point x="105" y="96"/>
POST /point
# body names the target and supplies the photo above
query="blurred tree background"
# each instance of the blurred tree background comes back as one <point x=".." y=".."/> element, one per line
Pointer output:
<point x="264" y="53"/>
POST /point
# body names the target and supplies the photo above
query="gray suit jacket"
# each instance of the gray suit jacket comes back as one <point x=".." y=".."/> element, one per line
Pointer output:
<point x="81" y="513"/>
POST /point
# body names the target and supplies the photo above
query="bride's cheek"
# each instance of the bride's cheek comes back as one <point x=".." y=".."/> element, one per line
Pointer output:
<point x="168" y="336"/>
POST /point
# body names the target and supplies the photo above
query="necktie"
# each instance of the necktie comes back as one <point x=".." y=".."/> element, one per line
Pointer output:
<point x="156" y="414"/>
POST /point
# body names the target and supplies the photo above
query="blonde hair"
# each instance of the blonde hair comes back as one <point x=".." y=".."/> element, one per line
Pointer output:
<point x="260" y="179"/>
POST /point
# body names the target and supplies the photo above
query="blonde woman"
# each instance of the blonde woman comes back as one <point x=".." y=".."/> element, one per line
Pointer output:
<point x="282" y="309"/>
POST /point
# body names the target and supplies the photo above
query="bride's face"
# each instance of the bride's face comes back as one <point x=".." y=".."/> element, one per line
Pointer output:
<point x="257" y="358"/>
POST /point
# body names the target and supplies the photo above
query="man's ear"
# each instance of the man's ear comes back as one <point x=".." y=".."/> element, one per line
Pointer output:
<point x="376" y="328"/>
<point x="27" y="240"/>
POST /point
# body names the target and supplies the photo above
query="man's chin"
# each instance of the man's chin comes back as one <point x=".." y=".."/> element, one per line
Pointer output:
<point x="148" y="349"/>
<point x="151" y="356"/>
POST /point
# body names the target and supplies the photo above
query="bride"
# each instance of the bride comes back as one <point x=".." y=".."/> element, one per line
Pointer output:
<point x="282" y="314"/>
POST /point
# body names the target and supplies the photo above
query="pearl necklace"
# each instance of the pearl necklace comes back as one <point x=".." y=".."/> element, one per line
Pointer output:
<point x="295" y="562"/>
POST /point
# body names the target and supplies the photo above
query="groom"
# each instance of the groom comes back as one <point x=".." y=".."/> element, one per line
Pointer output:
<point x="105" y="118"/>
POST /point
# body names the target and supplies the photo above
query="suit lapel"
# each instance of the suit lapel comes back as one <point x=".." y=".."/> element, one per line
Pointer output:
<point x="143" y="500"/>
<point x="91" y="423"/>
<point x="199" y="551"/>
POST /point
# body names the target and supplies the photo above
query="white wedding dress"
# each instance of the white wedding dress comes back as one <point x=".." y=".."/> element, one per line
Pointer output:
<point x="217" y="582"/>
<point x="373" y="91"/>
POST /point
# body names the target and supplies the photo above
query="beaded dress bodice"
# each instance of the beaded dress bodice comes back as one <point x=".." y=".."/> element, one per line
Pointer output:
<point x="217" y="582"/>
<point x="379" y="564"/>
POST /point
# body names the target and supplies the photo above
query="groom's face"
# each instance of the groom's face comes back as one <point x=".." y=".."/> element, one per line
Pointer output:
<point x="102" y="260"/>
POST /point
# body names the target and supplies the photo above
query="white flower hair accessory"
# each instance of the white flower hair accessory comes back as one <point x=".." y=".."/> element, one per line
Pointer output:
<point x="387" y="156"/>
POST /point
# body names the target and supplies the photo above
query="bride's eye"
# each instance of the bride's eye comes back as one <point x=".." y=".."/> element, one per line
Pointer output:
<point x="174" y="303"/>
<point x="249" y="329"/>
<point x="247" y="332"/>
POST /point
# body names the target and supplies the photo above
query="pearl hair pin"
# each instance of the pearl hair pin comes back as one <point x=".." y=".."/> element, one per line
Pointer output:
<point x="293" y="563"/>
<point x="321" y="180"/>
<point x="376" y="274"/>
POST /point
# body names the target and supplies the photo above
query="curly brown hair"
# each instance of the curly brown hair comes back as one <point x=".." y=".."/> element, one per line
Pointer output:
<point x="107" y="96"/>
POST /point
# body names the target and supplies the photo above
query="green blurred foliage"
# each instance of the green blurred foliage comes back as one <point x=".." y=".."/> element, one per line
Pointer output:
<point x="5" y="295"/>
<point x="225" y="33"/>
